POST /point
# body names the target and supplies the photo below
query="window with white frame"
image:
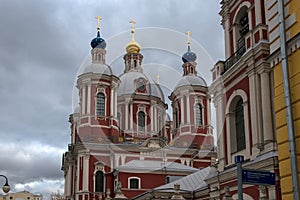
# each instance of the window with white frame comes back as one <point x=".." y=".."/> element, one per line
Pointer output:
<point x="99" y="181"/>
<point x="100" y="104"/>
<point x="141" y="121"/>
<point x="239" y="126"/>
<point x="198" y="114"/>
<point x="134" y="183"/>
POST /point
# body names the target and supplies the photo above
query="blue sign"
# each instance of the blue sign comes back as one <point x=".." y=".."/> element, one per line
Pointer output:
<point x="258" y="177"/>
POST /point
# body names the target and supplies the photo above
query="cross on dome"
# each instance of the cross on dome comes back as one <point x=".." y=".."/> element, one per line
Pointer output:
<point x="189" y="39"/>
<point x="132" y="46"/>
<point x="98" y="18"/>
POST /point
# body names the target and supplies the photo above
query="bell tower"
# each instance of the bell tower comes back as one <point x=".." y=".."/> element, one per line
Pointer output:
<point x="191" y="107"/>
<point x="98" y="97"/>
<point x="241" y="90"/>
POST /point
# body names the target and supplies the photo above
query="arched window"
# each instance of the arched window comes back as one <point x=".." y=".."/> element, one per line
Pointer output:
<point x="198" y="113"/>
<point x="134" y="183"/>
<point x="239" y="125"/>
<point x="241" y="28"/>
<point x="141" y="121"/>
<point x="100" y="104"/>
<point x="192" y="70"/>
<point x="99" y="184"/>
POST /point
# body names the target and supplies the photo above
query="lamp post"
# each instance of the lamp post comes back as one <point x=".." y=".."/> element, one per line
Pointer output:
<point x="5" y="187"/>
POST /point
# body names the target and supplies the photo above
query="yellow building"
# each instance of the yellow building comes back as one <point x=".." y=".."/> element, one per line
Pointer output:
<point x="288" y="152"/>
<point x="23" y="195"/>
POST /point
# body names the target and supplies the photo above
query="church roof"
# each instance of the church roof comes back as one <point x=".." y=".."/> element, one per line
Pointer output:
<point x="152" y="165"/>
<point x="98" y="68"/>
<point x="191" y="182"/>
<point x="188" y="184"/>
<point x="191" y="80"/>
<point x="128" y="85"/>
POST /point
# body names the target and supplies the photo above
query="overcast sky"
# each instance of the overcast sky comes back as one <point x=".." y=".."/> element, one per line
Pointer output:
<point x="42" y="46"/>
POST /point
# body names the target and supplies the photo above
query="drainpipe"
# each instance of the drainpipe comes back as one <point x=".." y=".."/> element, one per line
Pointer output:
<point x="287" y="97"/>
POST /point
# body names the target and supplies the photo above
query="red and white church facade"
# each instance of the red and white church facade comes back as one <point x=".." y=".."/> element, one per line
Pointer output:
<point x="123" y="142"/>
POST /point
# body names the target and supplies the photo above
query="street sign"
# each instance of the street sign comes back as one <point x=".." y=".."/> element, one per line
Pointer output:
<point x="258" y="177"/>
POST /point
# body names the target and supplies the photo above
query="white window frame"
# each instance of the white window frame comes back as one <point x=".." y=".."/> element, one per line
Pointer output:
<point x="139" y="181"/>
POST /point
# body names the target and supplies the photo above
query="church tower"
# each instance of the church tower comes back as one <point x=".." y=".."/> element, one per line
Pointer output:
<point x="141" y="106"/>
<point x="191" y="107"/>
<point x="98" y="96"/>
<point x="242" y="96"/>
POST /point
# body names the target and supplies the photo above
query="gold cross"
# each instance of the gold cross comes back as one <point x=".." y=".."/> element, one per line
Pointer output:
<point x="158" y="79"/>
<point x="98" y="18"/>
<point x="132" y="29"/>
<point x="132" y="23"/>
<point x="189" y="39"/>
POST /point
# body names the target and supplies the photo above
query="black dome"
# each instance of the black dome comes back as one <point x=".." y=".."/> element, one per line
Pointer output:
<point x="189" y="56"/>
<point x="98" y="42"/>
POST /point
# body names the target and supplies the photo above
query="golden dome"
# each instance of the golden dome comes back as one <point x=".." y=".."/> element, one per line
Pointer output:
<point x="132" y="46"/>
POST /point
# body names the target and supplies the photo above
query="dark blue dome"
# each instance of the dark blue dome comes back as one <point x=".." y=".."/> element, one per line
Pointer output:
<point x="98" y="42"/>
<point x="189" y="56"/>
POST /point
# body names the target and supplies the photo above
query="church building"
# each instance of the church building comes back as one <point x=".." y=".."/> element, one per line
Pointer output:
<point x="123" y="142"/>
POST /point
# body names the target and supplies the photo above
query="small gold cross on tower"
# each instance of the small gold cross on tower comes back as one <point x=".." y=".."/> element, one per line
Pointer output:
<point x="98" y="18"/>
<point x="132" y="29"/>
<point x="132" y="22"/>
<point x="189" y="39"/>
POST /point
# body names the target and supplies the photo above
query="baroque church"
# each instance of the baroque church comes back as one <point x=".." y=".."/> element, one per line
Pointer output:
<point x="124" y="145"/>
<point x="123" y="142"/>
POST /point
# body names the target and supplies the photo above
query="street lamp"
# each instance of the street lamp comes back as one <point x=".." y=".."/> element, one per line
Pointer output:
<point x="5" y="187"/>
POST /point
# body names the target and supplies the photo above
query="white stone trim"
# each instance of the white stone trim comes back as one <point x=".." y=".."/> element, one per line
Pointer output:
<point x="89" y="99"/>
<point x="83" y="100"/>
<point x="229" y="128"/>
<point x="100" y="90"/>
<point x="134" y="177"/>
<point x="86" y="161"/>
<point x="245" y="3"/>
<point x="142" y="108"/>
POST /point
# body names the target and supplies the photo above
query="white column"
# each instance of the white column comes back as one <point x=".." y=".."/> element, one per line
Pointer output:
<point x="112" y="102"/>
<point x="77" y="175"/>
<point x="116" y="103"/>
<point x="85" y="169"/>
<point x="182" y="110"/>
<point x="155" y="119"/>
<point x="258" y="13"/>
<point x="126" y="115"/>
<point x="208" y="111"/>
<point x="250" y="18"/>
<point x="131" y="116"/>
<point x="83" y="100"/>
<point x="152" y="116"/>
<point x="266" y="108"/>
<point x="234" y="42"/>
<point x="68" y="184"/>
<point x="227" y="39"/>
<point x="253" y="87"/>
<point x="89" y="99"/>
<point x="188" y="110"/>
<point x="219" y="104"/>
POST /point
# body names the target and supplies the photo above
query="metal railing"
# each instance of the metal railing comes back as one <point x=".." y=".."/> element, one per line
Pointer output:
<point x="234" y="58"/>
